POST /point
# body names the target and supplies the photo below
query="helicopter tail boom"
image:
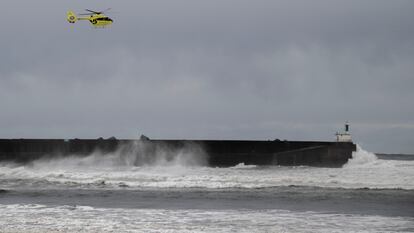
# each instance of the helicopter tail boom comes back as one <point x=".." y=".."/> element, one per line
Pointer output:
<point x="72" y="18"/>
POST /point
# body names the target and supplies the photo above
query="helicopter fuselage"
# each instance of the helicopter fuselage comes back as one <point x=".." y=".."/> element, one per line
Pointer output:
<point x="98" y="20"/>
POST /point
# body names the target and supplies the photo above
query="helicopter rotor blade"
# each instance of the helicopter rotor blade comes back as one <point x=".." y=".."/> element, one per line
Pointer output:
<point x="106" y="10"/>
<point x="95" y="12"/>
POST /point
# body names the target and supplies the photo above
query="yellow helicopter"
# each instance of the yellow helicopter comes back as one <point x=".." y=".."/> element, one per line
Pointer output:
<point x="97" y="18"/>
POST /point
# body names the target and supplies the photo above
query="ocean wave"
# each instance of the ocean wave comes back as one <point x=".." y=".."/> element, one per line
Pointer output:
<point x="362" y="158"/>
<point x="41" y="218"/>
<point x="364" y="170"/>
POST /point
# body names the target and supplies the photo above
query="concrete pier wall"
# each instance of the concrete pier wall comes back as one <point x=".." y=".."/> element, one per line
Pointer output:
<point x="219" y="153"/>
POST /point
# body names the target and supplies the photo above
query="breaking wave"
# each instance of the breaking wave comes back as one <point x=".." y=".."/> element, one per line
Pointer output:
<point x="361" y="157"/>
<point x="130" y="167"/>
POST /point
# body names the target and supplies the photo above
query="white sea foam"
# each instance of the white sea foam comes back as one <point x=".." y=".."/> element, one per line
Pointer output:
<point x="364" y="170"/>
<point x="362" y="157"/>
<point x="39" y="218"/>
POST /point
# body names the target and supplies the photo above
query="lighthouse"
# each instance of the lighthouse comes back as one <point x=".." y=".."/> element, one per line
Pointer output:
<point x="344" y="136"/>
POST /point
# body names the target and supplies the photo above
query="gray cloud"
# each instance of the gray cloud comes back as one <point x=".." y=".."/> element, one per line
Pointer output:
<point x="211" y="69"/>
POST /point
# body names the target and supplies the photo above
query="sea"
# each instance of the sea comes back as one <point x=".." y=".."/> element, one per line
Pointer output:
<point x="106" y="193"/>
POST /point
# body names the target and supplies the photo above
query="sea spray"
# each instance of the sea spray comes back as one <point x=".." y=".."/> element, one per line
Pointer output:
<point x="135" y="154"/>
<point x="361" y="157"/>
<point x="131" y="168"/>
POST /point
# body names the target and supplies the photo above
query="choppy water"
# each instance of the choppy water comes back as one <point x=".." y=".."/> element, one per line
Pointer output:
<point x="103" y="193"/>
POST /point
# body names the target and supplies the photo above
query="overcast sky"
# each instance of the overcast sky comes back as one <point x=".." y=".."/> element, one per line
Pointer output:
<point x="210" y="69"/>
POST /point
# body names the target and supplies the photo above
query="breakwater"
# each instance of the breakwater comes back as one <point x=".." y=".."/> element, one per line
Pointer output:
<point x="221" y="153"/>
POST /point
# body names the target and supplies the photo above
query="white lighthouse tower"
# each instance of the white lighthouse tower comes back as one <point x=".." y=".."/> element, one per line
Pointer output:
<point x="344" y="136"/>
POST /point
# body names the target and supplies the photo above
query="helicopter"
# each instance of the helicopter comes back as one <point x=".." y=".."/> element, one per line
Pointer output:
<point x="97" y="18"/>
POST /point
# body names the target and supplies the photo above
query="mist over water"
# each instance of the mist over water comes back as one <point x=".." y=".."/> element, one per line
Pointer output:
<point x="134" y="154"/>
<point x="132" y="167"/>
